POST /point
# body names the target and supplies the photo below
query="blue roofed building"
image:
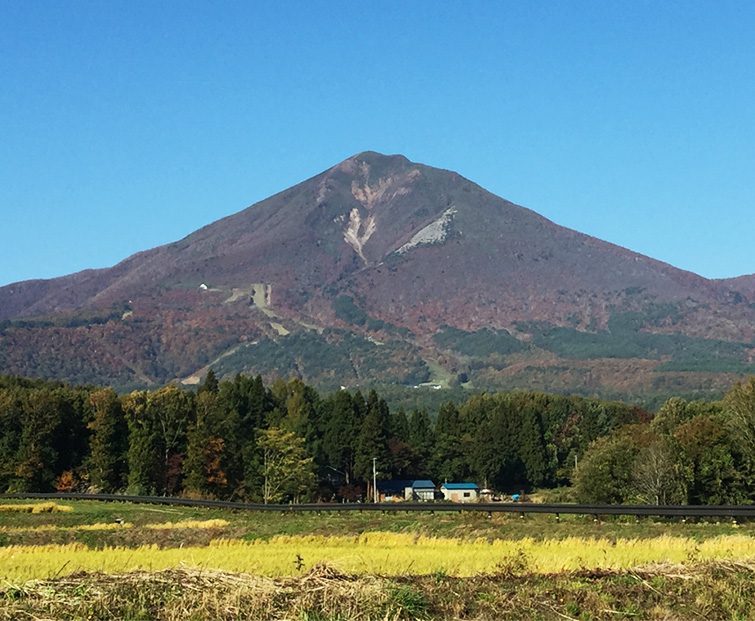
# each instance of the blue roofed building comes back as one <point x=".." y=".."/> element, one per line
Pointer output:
<point x="460" y="492"/>
<point x="406" y="489"/>
<point x="421" y="490"/>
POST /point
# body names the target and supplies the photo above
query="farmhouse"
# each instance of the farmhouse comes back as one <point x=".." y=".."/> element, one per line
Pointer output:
<point x="406" y="489"/>
<point x="460" y="492"/>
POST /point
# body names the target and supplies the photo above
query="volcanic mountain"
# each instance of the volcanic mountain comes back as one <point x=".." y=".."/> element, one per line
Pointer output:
<point x="383" y="270"/>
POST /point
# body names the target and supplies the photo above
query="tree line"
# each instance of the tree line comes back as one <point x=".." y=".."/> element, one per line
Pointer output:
<point x="692" y="452"/>
<point x="241" y="440"/>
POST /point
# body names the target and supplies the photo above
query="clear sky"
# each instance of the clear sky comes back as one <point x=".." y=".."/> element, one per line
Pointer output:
<point x="126" y="125"/>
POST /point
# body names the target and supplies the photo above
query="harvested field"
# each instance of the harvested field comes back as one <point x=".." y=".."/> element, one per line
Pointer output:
<point x="713" y="591"/>
<point x="125" y="561"/>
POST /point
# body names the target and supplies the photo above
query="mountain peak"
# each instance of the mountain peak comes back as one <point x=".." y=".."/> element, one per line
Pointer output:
<point x="386" y="247"/>
<point x="371" y="165"/>
<point x="373" y="157"/>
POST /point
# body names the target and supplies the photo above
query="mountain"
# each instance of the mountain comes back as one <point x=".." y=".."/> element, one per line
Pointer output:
<point x="384" y="270"/>
<point x="745" y="285"/>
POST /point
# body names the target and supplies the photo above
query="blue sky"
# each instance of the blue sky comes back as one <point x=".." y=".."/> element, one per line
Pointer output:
<point x="126" y="125"/>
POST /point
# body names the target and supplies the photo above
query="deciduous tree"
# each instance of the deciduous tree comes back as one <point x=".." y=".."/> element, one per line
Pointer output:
<point x="205" y="463"/>
<point x="287" y="472"/>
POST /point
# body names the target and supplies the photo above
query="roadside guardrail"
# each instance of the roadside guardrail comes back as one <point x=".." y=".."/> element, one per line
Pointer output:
<point x="682" y="511"/>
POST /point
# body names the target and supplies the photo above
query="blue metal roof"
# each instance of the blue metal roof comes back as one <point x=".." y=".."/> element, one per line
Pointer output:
<point x="399" y="485"/>
<point x="460" y="486"/>
<point x="423" y="484"/>
<point x="395" y="487"/>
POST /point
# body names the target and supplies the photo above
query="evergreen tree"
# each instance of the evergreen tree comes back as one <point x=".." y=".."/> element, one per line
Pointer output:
<point x="372" y="442"/>
<point x="278" y="397"/>
<point x="210" y="384"/>
<point x="485" y="442"/>
<point x="244" y="404"/>
<point x="70" y="440"/>
<point x="532" y="447"/>
<point x="144" y="459"/>
<point x="36" y="455"/>
<point x="247" y="397"/>
<point x="449" y="463"/>
<point x="258" y="403"/>
<point x="507" y="429"/>
<point x="421" y="436"/>
<point x="11" y="416"/>
<point x="403" y="458"/>
<point x="421" y="439"/>
<point x="108" y="442"/>
<point x="303" y="411"/>
<point x="399" y="425"/>
<point x="360" y="405"/>
<point x="298" y="410"/>
<point x="170" y="411"/>
<point x="341" y="431"/>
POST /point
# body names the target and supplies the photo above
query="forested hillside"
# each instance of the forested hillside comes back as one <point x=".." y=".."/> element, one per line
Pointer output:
<point x="382" y="271"/>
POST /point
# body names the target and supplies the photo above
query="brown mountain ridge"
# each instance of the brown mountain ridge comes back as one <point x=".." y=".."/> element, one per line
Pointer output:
<point x="383" y="270"/>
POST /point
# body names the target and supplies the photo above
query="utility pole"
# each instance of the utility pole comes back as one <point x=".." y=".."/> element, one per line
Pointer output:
<point x="374" y="480"/>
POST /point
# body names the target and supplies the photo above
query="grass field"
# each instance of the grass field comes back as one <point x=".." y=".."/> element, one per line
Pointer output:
<point x="140" y="561"/>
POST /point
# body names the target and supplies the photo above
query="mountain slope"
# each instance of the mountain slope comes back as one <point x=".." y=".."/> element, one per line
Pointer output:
<point x="392" y="252"/>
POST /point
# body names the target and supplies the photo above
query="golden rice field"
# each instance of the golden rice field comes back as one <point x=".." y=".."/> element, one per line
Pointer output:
<point x="39" y="507"/>
<point x="373" y="553"/>
<point x="216" y="523"/>
<point x="104" y="561"/>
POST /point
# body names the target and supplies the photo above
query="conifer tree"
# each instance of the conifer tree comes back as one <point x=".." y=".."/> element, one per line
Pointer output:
<point x="360" y="405"/>
<point x="210" y="384"/>
<point x="108" y="444"/>
<point x="399" y="425"/>
<point x="422" y="441"/>
<point x="11" y="415"/>
<point x="278" y="396"/>
<point x="532" y="447"/>
<point x="243" y="403"/>
<point x="421" y="436"/>
<point x="36" y="456"/>
<point x="297" y="409"/>
<point x="341" y="431"/>
<point x="484" y="443"/>
<point x="303" y="417"/>
<point x="448" y="463"/>
<point x="144" y="459"/>
<point x="372" y="442"/>
<point x="70" y="440"/>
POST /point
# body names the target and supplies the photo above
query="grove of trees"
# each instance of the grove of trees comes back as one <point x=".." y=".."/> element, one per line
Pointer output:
<point x="241" y="440"/>
<point x="690" y="453"/>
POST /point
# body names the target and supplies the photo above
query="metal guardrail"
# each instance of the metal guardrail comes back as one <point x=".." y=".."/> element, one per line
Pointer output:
<point x="682" y="511"/>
